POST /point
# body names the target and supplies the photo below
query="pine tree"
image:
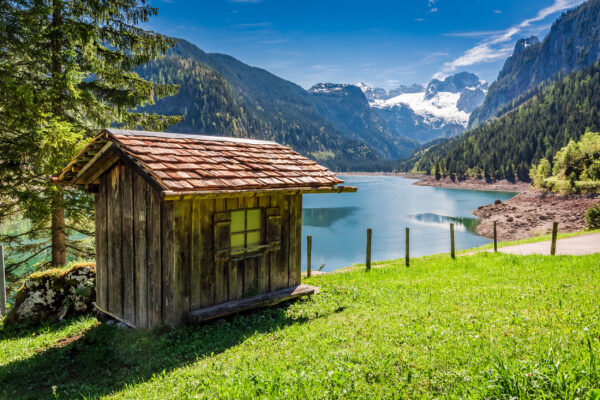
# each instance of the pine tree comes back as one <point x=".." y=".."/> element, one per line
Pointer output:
<point x="67" y="71"/>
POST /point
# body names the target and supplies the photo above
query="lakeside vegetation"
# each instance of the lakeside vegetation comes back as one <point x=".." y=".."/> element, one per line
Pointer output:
<point x="506" y="147"/>
<point x="483" y="326"/>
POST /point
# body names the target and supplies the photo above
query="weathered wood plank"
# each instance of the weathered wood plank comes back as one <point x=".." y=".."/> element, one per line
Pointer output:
<point x="207" y="260"/>
<point x="101" y="244"/>
<point x="153" y="256"/>
<point x="264" y="201"/>
<point x="196" y="250"/>
<point x="249" y="303"/>
<point x="140" y="206"/>
<point x="167" y="256"/>
<point x="233" y="278"/>
<point x="295" y="237"/>
<point x="250" y="271"/>
<point x="114" y="265"/>
<point x="232" y="203"/>
<point x="222" y="242"/>
<point x="182" y="251"/>
<point x="220" y="205"/>
<point x="127" y="247"/>
<point x="281" y="279"/>
<point x="273" y="238"/>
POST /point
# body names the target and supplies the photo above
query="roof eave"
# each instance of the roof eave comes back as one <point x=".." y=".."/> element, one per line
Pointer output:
<point x="169" y="195"/>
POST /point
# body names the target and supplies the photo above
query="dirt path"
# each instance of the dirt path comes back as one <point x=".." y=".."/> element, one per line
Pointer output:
<point x="576" y="246"/>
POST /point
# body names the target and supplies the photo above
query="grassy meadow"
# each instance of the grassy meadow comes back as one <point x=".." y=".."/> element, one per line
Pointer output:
<point x="483" y="326"/>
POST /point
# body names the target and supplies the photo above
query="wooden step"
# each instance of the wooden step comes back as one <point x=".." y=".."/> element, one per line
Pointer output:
<point x="249" y="303"/>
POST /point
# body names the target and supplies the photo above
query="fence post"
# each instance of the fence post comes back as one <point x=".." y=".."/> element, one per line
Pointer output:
<point x="2" y="283"/>
<point x="369" y="234"/>
<point x="308" y="255"/>
<point x="452" y="252"/>
<point x="495" y="238"/>
<point x="407" y="247"/>
<point x="554" y="235"/>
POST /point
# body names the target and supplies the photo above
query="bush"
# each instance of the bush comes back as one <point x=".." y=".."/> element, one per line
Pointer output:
<point x="592" y="217"/>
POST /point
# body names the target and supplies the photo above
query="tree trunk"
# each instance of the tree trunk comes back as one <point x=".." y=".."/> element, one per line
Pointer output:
<point x="59" y="236"/>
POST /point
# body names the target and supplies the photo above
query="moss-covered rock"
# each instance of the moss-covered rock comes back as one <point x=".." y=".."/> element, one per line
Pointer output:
<point x="54" y="295"/>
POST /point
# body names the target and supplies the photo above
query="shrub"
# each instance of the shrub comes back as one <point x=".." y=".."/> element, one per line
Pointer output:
<point x="592" y="217"/>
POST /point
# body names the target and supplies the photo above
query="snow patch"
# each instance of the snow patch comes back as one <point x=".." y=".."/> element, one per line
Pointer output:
<point x="440" y="108"/>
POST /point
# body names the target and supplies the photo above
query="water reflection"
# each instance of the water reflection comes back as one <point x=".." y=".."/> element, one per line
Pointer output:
<point x="460" y="223"/>
<point x="325" y="217"/>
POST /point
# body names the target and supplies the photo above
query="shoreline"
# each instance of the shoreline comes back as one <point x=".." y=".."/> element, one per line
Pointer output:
<point x="529" y="214"/>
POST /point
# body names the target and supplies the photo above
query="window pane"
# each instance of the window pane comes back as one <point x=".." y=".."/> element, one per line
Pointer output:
<point x="237" y="221"/>
<point x="253" y="220"/>
<point x="253" y="239"/>
<point x="237" y="240"/>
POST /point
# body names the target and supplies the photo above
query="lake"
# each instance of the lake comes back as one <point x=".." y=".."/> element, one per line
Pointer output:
<point x="389" y="204"/>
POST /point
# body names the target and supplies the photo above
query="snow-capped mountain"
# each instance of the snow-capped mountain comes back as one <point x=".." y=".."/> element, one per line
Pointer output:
<point x="442" y="109"/>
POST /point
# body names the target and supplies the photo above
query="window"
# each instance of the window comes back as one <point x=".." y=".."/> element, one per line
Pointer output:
<point x="245" y="229"/>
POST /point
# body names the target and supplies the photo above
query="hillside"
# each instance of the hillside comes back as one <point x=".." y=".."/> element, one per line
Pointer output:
<point x="488" y="326"/>
<point x="347" y="108"/>
<point x="572" y="43"/>
<point x="506" y="147"/>
<point x="221" y="95"/>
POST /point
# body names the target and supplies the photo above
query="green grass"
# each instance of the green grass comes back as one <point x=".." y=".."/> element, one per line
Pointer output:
<point x="484" y="326"/>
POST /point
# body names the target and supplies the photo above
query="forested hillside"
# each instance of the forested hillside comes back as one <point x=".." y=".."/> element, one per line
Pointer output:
<point x="507" y="147"/>
<point x="221" y="95"/>
<point x="572" y="44"/>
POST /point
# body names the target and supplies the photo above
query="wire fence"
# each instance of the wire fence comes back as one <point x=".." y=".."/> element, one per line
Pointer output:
<point x="388" y="239"/>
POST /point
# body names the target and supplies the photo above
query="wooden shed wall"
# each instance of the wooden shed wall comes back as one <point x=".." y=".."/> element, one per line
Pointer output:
<point x="156" y="260"/>
<point x="202" y="277"/>
<point x="133" y="249"/>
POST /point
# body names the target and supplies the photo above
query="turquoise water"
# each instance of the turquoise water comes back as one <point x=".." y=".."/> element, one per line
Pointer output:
<point x="389" y="204"/>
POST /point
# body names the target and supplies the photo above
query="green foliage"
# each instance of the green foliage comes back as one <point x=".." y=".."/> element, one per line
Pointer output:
<point x="66" y="71"/>
<point x="489" y="326"/>
<point x="576" y="167"/>
<point x="592" y="217"/>
<point x="506" y="147"/>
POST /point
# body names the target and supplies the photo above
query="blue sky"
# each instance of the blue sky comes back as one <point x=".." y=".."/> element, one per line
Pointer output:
<point x="380" y="42"/>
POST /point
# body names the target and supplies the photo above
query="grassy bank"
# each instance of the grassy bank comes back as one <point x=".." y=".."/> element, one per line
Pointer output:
<point x="483" y="326"/>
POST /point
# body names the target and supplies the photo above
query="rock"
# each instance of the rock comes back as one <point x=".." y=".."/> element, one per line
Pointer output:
<point x="509" y="219"/>
<point x="54" y="295"/>
<point x="498" y="201"/>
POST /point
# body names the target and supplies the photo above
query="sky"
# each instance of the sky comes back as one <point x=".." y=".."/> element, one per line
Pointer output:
<point x="383" y="43"/>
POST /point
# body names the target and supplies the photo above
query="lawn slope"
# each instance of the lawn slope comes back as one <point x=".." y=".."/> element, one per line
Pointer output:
<point x="483" y="326"/>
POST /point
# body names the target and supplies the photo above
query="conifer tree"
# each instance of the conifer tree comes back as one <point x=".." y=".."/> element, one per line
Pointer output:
<point x="66" y="71"/>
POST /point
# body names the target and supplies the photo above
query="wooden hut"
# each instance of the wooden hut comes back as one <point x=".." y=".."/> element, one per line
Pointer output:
<point x="195" y="227"/>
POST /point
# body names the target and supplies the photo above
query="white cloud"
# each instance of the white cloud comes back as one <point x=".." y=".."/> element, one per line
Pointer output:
<point x="498" y="44"/>
<point x="435" y="9"/>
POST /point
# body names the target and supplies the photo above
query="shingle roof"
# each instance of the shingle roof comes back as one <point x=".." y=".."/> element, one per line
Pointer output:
<point x="188" y="163"/>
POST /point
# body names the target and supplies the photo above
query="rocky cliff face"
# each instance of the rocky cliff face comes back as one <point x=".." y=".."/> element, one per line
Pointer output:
<point x="347" y="109"/>
<point x="572" y="43"/>
<point x="440" y="110"/>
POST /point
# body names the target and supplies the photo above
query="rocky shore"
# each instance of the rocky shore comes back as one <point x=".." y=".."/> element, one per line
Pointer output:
<point x="532" y="214"/>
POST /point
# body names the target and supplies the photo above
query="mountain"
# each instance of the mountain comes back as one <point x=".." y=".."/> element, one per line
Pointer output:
<point x="572" y="43"/>
<point x="347" y="109"/>
<point x="440" y="110"/>
<point x="220" y="95"/>
<point x="506" y="147"/>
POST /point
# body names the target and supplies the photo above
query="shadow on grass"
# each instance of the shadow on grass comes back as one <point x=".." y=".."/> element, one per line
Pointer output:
<point x="106" y="358"/>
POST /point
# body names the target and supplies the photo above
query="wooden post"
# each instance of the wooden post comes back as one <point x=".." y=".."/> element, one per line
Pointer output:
<point x="369" y="234"/>
<point x="452" y="252"/>
<point x="495" y="238"/>
<point x="308" y="256"/>
<point x="407" y="258"/>
<point x="554" y="234"/>
<point x="2" y="283"/>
